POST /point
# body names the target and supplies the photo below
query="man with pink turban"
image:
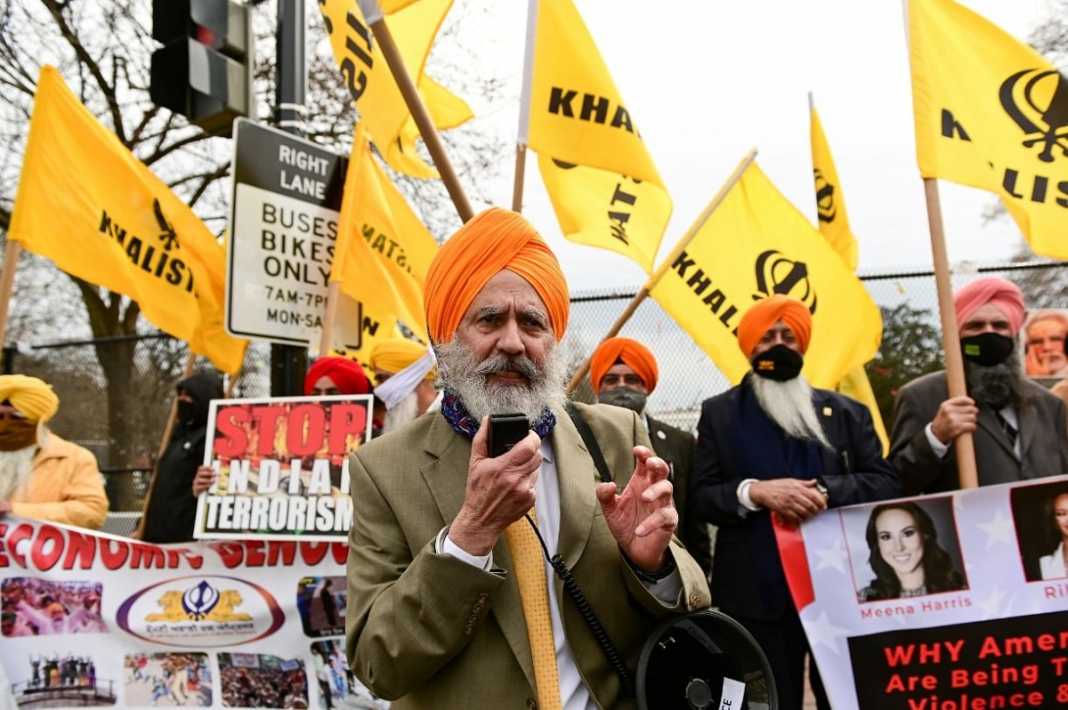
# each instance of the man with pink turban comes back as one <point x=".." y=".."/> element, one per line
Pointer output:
<point x="1020" y="429"/>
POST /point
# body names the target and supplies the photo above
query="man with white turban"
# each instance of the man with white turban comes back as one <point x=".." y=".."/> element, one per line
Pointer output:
<point x="41" y="475"/>
<point x="452" y="602"/>
<point x="405" y="372"/>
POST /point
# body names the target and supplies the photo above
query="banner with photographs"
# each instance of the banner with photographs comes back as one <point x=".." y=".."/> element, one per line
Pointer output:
<point x="96" y="620"/>
<point x="1044" y="336"/>
<point x="956" y="601"/>
<point x="282" y="467"/>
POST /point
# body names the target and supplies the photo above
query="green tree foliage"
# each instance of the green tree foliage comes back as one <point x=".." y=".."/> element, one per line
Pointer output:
<point x="912" y="346"/>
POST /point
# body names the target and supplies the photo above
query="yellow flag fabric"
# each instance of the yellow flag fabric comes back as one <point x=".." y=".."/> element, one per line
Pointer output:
<point x="383" y="249"/>
<point x="88" y="204"/>
<point x="368" y="78"/>
<point x="830" y="205"/>
<point x="600" y="177"/>
<point x="834" y="226"/>
<point x="992" y="113"/>
<point x="757" y="244"/>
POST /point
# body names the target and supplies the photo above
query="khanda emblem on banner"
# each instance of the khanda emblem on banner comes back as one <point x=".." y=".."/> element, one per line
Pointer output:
<point x="825" y="208"/>
<point x="777" y="274"/>
<point x="167" y="234"/>
<point x="1037" y="100"/>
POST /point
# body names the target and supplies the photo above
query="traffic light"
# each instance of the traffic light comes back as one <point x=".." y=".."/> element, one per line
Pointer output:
<point x="204" y="70"/>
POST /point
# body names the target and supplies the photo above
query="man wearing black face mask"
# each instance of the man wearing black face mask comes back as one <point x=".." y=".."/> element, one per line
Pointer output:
<point x="773" y="444"/>
<point x="1019" y="428"/>
<point x="171" y="511"/>
<point x="624" y="373"/>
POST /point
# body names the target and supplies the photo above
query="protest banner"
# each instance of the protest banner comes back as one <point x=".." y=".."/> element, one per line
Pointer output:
<point x="954" y="601"/>
<point x="95" y="619"/>
<point x="282" y="467"/>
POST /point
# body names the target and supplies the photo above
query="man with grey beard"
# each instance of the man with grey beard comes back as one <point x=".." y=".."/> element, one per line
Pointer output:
<point x="1020" y="429"/>
<point x="774" y="445"/>
<point x="452" y="601"/>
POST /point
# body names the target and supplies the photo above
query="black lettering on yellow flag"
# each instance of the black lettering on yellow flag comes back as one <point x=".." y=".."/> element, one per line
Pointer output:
<point x="88" y="204"/>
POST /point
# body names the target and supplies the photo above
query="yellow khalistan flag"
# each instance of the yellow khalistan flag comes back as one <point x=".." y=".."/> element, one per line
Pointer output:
<point x="991" y="113"/>
<point x="603" y="184"/>
<point x="88" y="204"/>
<point x="757" y="244"/>
<point x="834" y="226"/>
<point x="367" y="76"/>
<point x="383" y="250"/>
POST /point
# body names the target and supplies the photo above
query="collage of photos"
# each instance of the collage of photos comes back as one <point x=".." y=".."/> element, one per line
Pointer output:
<point x="321" y="603"/>
<point x="37" y="607"/>
<point x="904" y="550"/>
<point x="1044" y="339"/>
<point x="256" y="680"/>
<point x="61" y="680"/>
<point x="1040" y="513"/>
<point x="167" y="679"/>
<point x="338" y="687"/>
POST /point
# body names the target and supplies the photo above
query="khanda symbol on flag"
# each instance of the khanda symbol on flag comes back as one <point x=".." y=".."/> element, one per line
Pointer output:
<point x="603" y="184"/>
<point x="992" y="113"/>
<point x="778" y="274"/>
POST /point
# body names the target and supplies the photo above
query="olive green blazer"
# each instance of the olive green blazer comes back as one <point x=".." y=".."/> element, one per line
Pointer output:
<point x="431" y="631"/>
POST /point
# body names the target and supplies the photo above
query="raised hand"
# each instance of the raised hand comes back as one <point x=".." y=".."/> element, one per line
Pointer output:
<point x="643" y="518"/>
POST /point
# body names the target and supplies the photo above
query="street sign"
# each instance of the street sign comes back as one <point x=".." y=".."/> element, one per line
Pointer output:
<point x="283" y="228"/>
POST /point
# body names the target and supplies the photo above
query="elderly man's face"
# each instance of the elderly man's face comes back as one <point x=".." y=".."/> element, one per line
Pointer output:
<point x="777" y="334"/>
<point x="507" y="319"/>
<point x="987" y="319"/>
<point x="1046" y="338"/>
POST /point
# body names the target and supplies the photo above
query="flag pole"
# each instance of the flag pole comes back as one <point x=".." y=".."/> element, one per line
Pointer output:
<point x="168" y="429"/>
<point x="372" y="12"/>
<point x="326" y="341"/>
<point x="684" y="242"/>
<point x="524" y="107"/>
<point x="12" y="250"/>
<point x="965" y="444"/>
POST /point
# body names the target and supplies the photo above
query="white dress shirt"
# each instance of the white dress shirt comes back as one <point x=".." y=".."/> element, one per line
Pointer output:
<point x="1052" y="566"/>
<point x="940" y="450"/>
<point x="574" y="695"/>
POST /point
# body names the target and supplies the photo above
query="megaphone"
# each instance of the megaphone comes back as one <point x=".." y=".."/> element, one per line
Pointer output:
<point x="704" y="660"/>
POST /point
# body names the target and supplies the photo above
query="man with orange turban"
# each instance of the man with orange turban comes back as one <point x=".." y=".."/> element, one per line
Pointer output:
<point x="623" y="373"/>
<point x="1020" y="429"/>
<point x="43" y="476"/>
<point x="448" y="525"/>
<point x="774" y="445"/>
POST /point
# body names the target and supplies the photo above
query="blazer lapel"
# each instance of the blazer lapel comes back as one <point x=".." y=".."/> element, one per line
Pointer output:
<point x="988" y="420"/>
<point x="576" y="475"/>
<point x="1027" y="417"/>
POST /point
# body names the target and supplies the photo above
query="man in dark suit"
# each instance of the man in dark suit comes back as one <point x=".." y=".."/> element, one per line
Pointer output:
<point x="623" y="372"/>
<point x="772" y="444"/>
<point x="1020" y="429"/>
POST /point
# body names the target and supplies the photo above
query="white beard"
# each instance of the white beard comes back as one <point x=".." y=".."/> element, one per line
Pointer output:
<point x="789" y="404"/>
<point x="15" y="469"/>
<point x="407" y="410"/>
<point x="460" y="371"/>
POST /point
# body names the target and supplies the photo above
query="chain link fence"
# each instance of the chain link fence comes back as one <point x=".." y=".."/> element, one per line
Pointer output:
<point x="115" y="393"/>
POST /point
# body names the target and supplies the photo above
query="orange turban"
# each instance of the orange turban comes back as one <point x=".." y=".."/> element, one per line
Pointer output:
<point x="632" y="353"/>
<point x="767" y="312"/>
<point x="495" y="240"/>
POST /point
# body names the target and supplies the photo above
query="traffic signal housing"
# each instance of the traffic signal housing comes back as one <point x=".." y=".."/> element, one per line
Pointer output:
<point x="204" y="69"/>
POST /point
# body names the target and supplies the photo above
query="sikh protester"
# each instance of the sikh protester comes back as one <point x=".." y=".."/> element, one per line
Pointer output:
<point x="1044" y="338"/>
<point x="171" y="511"/>
<point x="774" y="445"/>
<point x="327" y="376"/>
<point x="1020" y="429"/>
<point x="624" y="373"/>
<point x="405" y="372"/>
<point x="42" y="476"/>
<point x="434" y="551"/>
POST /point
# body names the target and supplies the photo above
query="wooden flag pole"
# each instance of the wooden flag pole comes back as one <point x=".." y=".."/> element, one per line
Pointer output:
<point x="7" y="283"/>
<point x="680" y="247"/>
<point x="522" y="137"/>
<point x="168" y="429"/>
<point x="326" y="341"/>
<point x="372" y="12"/>
<point x="965" y="444"/>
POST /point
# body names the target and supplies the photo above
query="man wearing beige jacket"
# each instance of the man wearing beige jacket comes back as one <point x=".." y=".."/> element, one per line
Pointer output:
<point x="451" y="601"/>
<point x="43" y="476"/>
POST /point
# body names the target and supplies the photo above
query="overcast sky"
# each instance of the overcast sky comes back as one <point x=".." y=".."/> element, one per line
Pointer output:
<point x="705" y="80"/>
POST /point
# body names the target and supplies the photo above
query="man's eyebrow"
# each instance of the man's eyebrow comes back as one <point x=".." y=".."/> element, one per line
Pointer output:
<point x="532" y="312"/>
<point x="488" y="311"/>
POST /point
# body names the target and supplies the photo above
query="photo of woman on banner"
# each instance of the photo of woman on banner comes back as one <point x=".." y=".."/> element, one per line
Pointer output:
<point x="1044" y="337"/>
<point x="1040" y="513"/>
<point x="906" y="556"/>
